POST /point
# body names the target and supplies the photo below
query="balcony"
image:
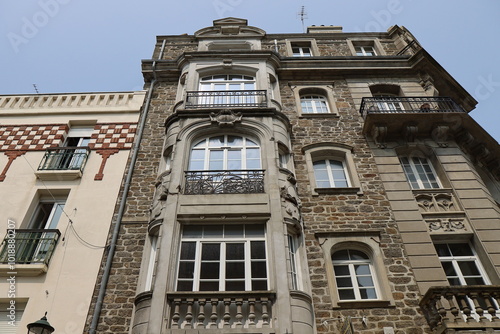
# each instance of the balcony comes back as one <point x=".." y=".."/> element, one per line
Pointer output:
<point x="63" y="163"/>
<point x="387" y="117"/>
<point x="226" y="99"/>
<point x="450" y="309"/>
<point x="221" y="312"/>
<point x="224" y="182"/>
<point x="27" y="251"/>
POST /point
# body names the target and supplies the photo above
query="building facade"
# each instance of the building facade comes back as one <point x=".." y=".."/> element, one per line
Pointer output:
<point x="325" y="182"/>
<point x="62" y="158"/>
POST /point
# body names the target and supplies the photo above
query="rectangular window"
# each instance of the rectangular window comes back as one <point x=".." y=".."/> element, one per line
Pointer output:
<point x="292" y="261"/>
<point x="222" y="258"/>
<point x="7" y="310"/>
<point x="365" y="50"/>
<point x="461" y="264"/>
<point x="301" y="49"/>
<point x="419" y="173"/>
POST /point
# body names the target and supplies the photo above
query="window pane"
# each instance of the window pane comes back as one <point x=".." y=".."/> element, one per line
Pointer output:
<point x="258" y="250"/>
<point x="209" y="270"/>
<point x="209" y="286"/>
<point x="186" y="270"/>
<point x="341" y="255"/>
<point x="346" y="294"/>
<point x="235" y="270"/>
<point x="233" y="231"/>
<point x="253" y="231"/>
<point x="185" y="286"/>
<point x="368" y="294"/>
<point x="341" y="270"/>
<point x="210" y="252"/>
<point x="216" y="141"/>
<point x="235" y="251"/>
<point x="468" y="268"/>
<point x="235" y="286"/>
<point x="460" y="249"/>
<point x="365" y="281"/>
<point x="357" y="255"/>
<point x="259" y="270"/>
<point x="188" y="250"/>
<point x="259" y="285"/>
<point x="212" y="231"/>
<point x="474" y="281"/>
<point x="362" y="269"/>
<point x="442" y="249"/>
<point x="449" y="269"/>
<point x="234" y="141"/>
<point x="454" y="281"/>
<point x="344" y="282"/>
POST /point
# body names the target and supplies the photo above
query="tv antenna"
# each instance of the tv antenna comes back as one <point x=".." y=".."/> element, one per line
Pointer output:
<point x="36" y="89"/>
<point x="302" y="15"/>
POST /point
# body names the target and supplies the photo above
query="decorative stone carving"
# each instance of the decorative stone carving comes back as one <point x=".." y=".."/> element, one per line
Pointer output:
<point x="379" y="132"/>
<point x="436" y="202"/>
<point x="440" y="135"/>
<point x="160" y="196"/>
<point x="225" y="117"/>
<point x="410" y="132"/>
<point x="290" y="202"/>
<point x="446" y="225"/>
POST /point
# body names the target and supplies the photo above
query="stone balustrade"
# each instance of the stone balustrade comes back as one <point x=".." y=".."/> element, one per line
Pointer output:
<point x="220" y="310"/>
<point x="453" y="308"/>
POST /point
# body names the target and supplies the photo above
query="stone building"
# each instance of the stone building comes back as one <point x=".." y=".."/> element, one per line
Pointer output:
<point x="62" y="160"/>
<point x="322" y="182"/>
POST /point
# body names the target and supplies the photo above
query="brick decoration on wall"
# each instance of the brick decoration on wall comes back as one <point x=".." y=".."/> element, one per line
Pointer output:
<point x="120" y="136"/>
<point x="32" y="137"/>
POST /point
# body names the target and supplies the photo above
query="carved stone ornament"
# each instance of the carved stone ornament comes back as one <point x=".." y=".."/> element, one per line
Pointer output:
<point x="225" y="117"/>
<point x="410" y="132"/>
<point x="379" y="132"/>
<point x="440" y="135"/>
<point x="446" y="225"/>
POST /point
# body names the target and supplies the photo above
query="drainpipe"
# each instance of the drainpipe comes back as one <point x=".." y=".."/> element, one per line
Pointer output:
<point x="121" y="209"/>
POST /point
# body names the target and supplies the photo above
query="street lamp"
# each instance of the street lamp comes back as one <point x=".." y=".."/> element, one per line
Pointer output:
<point x="41" y="326"/>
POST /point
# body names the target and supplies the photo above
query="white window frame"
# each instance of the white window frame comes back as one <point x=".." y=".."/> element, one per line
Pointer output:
<point x="300" y="50"/>
<point x="411" y="170"/>
<point x="330" y="173"/>
<point x="318" y="104"/>
<point x="151" y="262"/>
<point x="225" y="148"/>
<point x="293" y="263"/>
<point x="455" y="259"/>
<point x="354" y="277"/>
<point x="223" y="241"/>
<point x="365" y="50"/>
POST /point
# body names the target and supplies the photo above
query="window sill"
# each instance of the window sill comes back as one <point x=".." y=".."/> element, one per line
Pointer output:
<point x="362" y="304"/>
<point x="58" y="175"/>
<point x="319" y="115"/>
<point x="348" y="190"/>
<point x="25" y="270"/>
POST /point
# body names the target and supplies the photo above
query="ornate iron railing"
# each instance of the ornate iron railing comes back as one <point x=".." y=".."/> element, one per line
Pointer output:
<point x="220" y="310"/>
<point x="64" y="158"/>
<point x="397" y="105"/>
<point x="224" y="182"/>
<point x="28" y="246"/>
<point x="460" y="307"/>
<point x="226" y="99"/>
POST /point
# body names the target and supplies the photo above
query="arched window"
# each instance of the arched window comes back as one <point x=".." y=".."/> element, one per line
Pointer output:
<point x="315" y="104"/>
<point x="227" y="82"/>
<point x="388" y="97"/>
<point x="225" y="164"/>
<point x="225" y="152"/>
<point x="354" y="275"/>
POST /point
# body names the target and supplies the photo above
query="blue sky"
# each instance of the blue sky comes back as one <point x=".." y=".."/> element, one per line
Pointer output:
<point x="90" y="46"/>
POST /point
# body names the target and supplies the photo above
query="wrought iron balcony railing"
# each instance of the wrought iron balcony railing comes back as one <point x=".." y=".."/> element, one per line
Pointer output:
<point x="403" y="105"/>
<point x="226" y="99"/>
<point x="28" y="246"/>
<point x="462" y="307"/>
<point x="224" y="182"/>
<point x="222" y="310"/>
<point x="64" y="158"/>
